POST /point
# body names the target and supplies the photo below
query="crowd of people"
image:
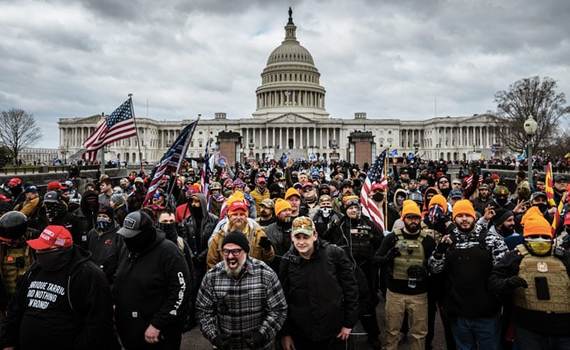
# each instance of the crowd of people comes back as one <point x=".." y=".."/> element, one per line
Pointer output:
<point x="280" y="255"/>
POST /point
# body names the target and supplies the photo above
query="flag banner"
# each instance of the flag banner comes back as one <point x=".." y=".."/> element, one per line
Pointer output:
<point x="117" y="126"/>
<point x="369" y="207"/>
<point x="171" y="160"/>
<point x="549" y="189"/>
<point x="206" y="170"/>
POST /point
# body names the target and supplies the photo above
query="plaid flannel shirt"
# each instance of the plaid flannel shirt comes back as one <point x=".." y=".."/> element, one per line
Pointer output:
<point x="239" y="307"/>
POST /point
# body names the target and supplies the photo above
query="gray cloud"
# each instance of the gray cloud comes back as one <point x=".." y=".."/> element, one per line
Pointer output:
<point x="393" y="59"/>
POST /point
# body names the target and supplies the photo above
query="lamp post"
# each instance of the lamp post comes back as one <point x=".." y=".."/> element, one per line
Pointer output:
<point x="530" y="126"/>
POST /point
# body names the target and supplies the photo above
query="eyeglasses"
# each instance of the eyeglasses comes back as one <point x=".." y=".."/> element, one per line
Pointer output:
<point x="444" y="182"/>
<point x="234" y="252"/>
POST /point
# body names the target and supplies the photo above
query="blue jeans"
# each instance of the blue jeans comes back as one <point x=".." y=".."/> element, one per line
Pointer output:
<point x="528" y="340"/>
<point x="476" y="333"/>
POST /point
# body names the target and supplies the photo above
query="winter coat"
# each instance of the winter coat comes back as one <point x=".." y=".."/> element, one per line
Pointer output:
<point x="151" y="288"/>
<point x="321" y="292"/>
<point x="66" y="309"/>
<point x="105" y="250"/>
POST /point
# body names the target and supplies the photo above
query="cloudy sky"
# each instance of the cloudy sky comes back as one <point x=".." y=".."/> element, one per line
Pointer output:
<point x="393" y="59"/>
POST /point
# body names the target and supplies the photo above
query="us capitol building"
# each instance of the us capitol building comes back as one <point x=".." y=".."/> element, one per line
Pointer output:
<point x="291" y="117"/>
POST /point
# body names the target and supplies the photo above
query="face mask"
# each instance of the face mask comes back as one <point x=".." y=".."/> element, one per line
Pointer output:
<point x="326" y="212"/>
<point x="169" y="230"/>
<point x="53" y="260"/>
<point x="103" y="224"/>
<point x="55" y="211"/>
<point x="539" y="246"/>
<point x="196" y="211"/>
<point x="378" y="197"/>
<point x="543" y="207"/>
<point x="140" y="242"/>
<point x="501" y="201"/>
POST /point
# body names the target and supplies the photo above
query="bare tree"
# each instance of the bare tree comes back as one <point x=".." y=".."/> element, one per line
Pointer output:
<point x="530" y="97"/>
<point x="18" y="129"/>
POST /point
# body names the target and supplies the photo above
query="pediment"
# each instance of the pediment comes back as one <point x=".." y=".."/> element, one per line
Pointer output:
<point x="291" y="118"/>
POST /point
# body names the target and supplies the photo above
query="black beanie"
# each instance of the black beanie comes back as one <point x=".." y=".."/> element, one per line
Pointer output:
<point x="236" y="237"/>
<point x="501" y="215"/>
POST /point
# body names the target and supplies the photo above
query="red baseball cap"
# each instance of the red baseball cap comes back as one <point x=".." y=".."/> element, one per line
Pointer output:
<point x="238" y="206"/>
<point x="53" y="186"/>
<point x="378" y="186"/>
<point x="51" y="237"/>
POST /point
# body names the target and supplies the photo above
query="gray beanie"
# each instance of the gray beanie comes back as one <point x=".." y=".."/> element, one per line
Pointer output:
<point x="118" y="199"/>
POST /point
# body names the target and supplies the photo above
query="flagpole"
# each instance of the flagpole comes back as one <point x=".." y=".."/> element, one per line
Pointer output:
<point x="183" y="155"/>
<point x="387" y="188"/>
<point x="137" y="130"/>
<point x="102" y="165"/>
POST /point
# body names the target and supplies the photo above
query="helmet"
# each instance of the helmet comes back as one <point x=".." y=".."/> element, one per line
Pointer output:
<point x="13" y="225"/>
<point x="216" y="186"/>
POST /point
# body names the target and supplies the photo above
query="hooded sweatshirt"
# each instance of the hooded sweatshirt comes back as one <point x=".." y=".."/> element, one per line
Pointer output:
<point x="70" y="308"/>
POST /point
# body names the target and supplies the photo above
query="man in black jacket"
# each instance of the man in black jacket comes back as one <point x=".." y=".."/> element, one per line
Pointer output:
<point x="321" y="291"/>
<point x="151" y="287"/>
<point x="197" y="230"/>
<point x="105" y="245"/>
<point x="63" y="301"/>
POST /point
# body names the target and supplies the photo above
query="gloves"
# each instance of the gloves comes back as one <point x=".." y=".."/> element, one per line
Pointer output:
<point x="255" y="341"/>
<point x="264" y="243"/>
<point x="222" y="342"/>
<point x="442" y="247"/>
<point x="515" y="282"/>
<point x="392" y="253"/>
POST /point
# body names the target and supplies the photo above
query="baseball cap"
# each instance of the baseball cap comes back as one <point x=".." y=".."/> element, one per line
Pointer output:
<point x="31" y="189"/>
<point x="51" y="197"/>
<point x="303" y="225"/>
<point x="134" y="223"/>
<point x="51" y="237"/>
<point x="456" y="194"/>
<point x="53" y="186"/>
<point x="535" y="195"/>
<point x="268" y="203"/>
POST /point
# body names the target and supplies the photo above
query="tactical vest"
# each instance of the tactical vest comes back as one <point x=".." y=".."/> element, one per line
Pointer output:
<point x="411" y="253"/>
<point x="15" y="263"/>
<point x="360" y="242"/>
<point x="557" y="282"/>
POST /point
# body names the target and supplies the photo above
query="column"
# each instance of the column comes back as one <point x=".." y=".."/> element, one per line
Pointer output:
<point x="307" y="136"/>
<point x="294" y="137"/>
<point x="315" y="137"/>
<point x="287" y="138"/>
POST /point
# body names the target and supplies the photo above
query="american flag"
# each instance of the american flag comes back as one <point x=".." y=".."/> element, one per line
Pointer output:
<point x="171" y="160"/>
<point x="369" y="207"/>
<point x="117" y="126"/>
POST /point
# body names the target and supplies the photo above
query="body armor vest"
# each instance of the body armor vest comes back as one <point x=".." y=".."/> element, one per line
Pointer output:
<point x="15" y="263"/>
<point x="554" y="295"/>
<point x="411" y="253"/>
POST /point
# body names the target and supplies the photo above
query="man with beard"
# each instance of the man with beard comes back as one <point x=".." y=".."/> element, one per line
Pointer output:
<point x="240" y="304"/>
<point x="260" y="246"/>
<point x="325" y="218"/>
<point x="321" y="291"/>
<point x="197" y="229"/>
<point x="360" y="239"/>
<point x="536" y="277"/>
<point x="151" y="288"/>
<point x="62" y="302"/>
<point x="260" y="192"/>
<point x="266" y="217"/>
<point x="466" y="257"/>
<point x="404" y="253"/>
<point x="483" y="199"/>
<point x="503" y="225"/>
<point x="279" y="233"/>
<point x="104" y="243"/>
<point x="310" y="198"/>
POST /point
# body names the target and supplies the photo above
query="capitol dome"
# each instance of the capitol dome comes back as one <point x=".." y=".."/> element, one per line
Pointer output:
<point x="290" y="80"/>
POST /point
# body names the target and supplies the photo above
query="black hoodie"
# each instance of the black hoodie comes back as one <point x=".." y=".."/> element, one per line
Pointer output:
<point x="151" y="288"/>
<point x="70" y="308"/>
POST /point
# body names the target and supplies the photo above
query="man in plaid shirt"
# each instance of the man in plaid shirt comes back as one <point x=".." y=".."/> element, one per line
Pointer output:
<point x="240" y="304"/>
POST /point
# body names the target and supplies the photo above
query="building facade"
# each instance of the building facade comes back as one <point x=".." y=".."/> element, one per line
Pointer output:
<point x="291" y="117"/>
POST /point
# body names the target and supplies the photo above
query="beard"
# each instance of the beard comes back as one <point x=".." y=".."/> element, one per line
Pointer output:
<point x="238" y="226"/>
<point x="233" y="266"/>
<point x="412" y="228"/>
